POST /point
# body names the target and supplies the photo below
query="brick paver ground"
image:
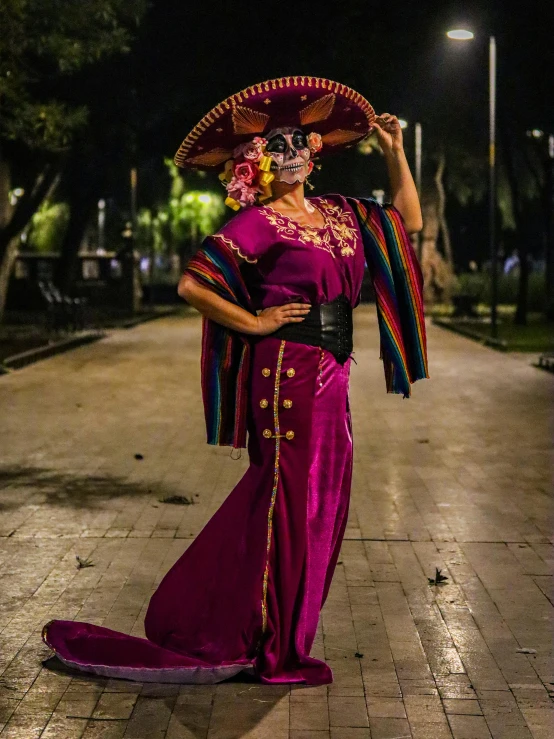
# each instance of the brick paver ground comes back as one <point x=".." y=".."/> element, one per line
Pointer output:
<point x="458" y="477"/>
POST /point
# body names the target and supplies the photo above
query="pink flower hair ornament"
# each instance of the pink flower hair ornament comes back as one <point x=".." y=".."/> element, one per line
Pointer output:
<point x="248" y="177"/>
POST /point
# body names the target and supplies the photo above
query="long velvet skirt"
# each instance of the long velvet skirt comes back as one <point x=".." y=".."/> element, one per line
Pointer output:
<point x="247" y="594"/>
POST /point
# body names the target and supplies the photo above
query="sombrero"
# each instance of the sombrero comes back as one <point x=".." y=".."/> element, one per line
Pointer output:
<point x="339" y="114"/>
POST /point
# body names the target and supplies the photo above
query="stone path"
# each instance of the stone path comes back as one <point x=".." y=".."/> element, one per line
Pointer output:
<point x="458" y="477"/>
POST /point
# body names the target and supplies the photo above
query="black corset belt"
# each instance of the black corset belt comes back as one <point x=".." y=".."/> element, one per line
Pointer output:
<point x="328" y="326"/>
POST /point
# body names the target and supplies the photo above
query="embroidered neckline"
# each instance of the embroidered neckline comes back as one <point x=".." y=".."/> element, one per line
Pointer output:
<point x="339" y="227"/>
<point x="297" y="223"/>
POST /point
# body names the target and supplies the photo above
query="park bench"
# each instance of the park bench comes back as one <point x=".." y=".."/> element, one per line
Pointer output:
<point x="465" y="305"/>
<point x="546" y="361"/>
<point x="64" y="313"/>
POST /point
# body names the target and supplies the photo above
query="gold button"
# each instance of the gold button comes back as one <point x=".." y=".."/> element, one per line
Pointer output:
<point x="287" y="403"/>
<point x="264" y="403"/>
<point x="291" y="372"/>
<point x="266" y="433"/>
<point x="266" y="372"/>
<point x="289" y="435"/>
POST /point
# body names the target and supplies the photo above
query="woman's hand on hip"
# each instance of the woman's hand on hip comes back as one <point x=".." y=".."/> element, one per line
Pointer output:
<point x="271" y="319"/>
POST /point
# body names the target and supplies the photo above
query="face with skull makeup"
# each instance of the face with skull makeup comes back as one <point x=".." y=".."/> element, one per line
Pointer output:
<point x="288" y="147"/>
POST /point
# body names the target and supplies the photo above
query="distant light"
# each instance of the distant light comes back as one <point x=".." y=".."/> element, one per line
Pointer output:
<point x="460" y="34"/>
<point x="18" y="192"/>
<point x="205" y="198"/>
<point x="189" y="198"/>
<point x="403" y="123"/>
<point x="101" y="204"/>
<point x="535" y="133"/>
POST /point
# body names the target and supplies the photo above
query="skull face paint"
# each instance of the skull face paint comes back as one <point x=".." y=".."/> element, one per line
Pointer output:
<point x="288" y="147"/>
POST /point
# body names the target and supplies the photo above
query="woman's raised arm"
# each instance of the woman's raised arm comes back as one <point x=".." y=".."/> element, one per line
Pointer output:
<point x="404" y="191"/>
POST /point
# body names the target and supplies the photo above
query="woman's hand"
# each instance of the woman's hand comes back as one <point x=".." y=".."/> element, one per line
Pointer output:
<point x="389" y="133"/>
<point x="270" y="319"/>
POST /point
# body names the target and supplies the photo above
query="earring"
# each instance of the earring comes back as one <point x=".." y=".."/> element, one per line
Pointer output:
<point x="309" y="184"/>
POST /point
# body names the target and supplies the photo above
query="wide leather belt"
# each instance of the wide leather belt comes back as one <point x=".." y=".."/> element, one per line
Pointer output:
<point x="328" y="326"/>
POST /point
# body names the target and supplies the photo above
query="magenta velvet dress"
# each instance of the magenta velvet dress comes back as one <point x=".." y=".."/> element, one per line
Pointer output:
<point x="247" y="594"/>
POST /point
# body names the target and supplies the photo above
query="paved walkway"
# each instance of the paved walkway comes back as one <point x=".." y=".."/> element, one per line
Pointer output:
<point x="457" y="478"/>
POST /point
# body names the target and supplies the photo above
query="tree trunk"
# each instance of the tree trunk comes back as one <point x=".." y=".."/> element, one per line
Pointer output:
<point x="27" y="206"/>
<point x="438" y="278"/>
<point x="441" y="208"/>
<point x="6" y="267"/>
<point x="66" y="274"/>
<point x="15" y="219"/>
<point x="82" y="182"/>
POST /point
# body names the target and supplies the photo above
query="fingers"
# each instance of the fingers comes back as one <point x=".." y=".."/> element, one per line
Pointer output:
<point x="294" y="309"/>
<point x="386" y="120"/>
<point x="297" y="306"/>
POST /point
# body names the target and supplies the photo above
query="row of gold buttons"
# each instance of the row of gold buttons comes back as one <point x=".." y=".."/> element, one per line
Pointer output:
<point x="264" y="403"/>
<point x="266" y="372"/>
<point x="266" y="433"/>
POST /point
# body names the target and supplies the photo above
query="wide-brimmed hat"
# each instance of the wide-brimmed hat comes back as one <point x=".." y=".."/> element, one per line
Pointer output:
<point x="339" y="114"/>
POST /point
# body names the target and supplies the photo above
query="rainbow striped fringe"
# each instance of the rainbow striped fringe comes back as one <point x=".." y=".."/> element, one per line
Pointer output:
<point x="398" y="285"/>
<point x="225" y="363"/>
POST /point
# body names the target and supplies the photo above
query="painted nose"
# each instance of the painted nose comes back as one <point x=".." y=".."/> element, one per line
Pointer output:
<point x="293" y="153"/>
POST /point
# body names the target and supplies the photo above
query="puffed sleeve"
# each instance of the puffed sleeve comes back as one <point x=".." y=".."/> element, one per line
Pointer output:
<point x="247" y="234"/>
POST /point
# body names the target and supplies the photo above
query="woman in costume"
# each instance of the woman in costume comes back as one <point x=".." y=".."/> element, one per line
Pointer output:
<point x="276" y="286"/>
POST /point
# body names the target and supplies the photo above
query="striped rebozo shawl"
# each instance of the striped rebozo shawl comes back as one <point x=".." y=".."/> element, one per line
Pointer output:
<point x="398" y="285"/>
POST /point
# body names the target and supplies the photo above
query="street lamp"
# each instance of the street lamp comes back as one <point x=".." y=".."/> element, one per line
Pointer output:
<point x="101" y="225"/>
<point x="465" y="35"/>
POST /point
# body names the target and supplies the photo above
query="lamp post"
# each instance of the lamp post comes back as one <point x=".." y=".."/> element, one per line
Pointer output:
<point x="101" y="225"/>
<point x="464" y="35"/>
<point x="550" y="233"/>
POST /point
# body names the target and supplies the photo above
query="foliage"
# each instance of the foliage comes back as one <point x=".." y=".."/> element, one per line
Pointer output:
<point x="188" y="215"/>
<point x="48" y="227"/>
<point x="478" y="285"/>
<point x="43" y="42"/>
<point x="535" y="337"/>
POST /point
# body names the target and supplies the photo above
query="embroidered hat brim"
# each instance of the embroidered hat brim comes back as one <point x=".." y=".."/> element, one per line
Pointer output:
<point x="338" y="113"/>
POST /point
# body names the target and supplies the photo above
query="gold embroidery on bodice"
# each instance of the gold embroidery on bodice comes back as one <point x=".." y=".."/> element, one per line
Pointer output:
<point x="339" y="231"/>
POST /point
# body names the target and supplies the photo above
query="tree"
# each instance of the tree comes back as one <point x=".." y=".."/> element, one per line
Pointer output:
<point x="43" y="46"/>
<point x="182" y="221"/>
<point x="47" y="227"/>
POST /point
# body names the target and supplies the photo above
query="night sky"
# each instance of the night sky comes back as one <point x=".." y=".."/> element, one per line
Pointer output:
<point x="394" y="53"/>
<point x="188" y="56"/>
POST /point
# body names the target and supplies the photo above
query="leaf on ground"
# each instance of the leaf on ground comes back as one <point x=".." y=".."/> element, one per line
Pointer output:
<point x="139" y="456"/>
<point x="83" y="562"/>
<point x="177" y="500"/>
<point x="439" y="578"/>
<point x="359" y="655"/>
<point x="423" y="441"/>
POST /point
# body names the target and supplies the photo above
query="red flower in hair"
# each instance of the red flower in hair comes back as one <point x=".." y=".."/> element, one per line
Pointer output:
<point x="315" y="142"/>
<point x="245" y="172"/>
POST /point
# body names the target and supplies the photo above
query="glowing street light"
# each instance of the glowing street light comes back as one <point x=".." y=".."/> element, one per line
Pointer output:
<point x="403" y="123"/>
<point x="465" y="35"/>
<point x="460" y="35"/>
